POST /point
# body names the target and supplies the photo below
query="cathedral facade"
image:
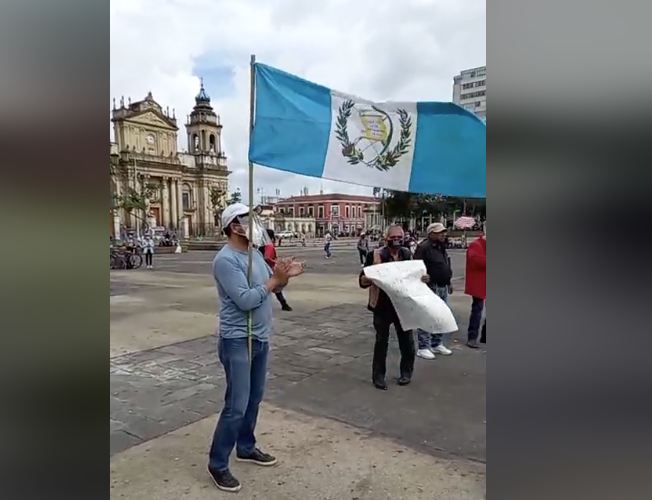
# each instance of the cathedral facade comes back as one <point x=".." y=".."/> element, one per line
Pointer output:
<point x="184" y="189"/>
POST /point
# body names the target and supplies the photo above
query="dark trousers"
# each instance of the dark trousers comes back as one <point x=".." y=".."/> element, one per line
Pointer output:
<point x="148" y="258"/>
<point x="245" y="386"/>
<point x="474" y="320"/>
<point x="363" y="255"/>
<point x="405" y="344"/>
<point x="281" y="298"/>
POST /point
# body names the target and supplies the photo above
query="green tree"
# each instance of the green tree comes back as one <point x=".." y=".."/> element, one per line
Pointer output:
<point x="236" y="197"/>
<point x="131" y="200"/>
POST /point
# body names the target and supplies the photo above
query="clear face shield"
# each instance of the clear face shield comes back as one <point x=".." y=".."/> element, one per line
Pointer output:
<point x="260" y="236"/>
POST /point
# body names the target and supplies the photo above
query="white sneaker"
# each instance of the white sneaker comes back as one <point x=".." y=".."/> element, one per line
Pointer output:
<point x="443" y="350"/>
<point x="425" y="354"/>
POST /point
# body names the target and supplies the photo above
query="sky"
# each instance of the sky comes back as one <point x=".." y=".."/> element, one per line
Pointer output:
<point x="382" y="50"/>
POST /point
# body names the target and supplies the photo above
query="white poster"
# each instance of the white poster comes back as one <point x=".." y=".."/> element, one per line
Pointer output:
<point x="417" y="305"/>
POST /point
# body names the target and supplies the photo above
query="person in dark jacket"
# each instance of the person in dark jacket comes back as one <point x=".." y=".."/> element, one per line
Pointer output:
<point x="385" y="313"/>
<point x="432" y="251"/>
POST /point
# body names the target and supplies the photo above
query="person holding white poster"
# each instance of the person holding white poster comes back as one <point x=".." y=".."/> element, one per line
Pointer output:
<point x="385" y="314"/>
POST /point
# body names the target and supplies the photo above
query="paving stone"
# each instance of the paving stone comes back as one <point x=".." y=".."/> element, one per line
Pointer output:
<point x="143" y="427"/>
<point x="323" y="350"/>
<point x="205" y="404"/>
<point x="121" y="440"/>
<point x="176" y="349"/>
<point x="187" y="392"/>
<point x="181" y="365"/>
<point x="295" y="376"/>
<point x="115" y="425"/>
<point x="340" y="359"/>
<point x="179" y="418"/>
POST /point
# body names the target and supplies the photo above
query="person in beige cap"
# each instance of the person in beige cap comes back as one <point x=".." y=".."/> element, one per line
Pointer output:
<point x="432" y="251"/>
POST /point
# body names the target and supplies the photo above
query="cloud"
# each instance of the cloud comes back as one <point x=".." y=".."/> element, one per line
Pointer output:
<point x="378" y="49"/>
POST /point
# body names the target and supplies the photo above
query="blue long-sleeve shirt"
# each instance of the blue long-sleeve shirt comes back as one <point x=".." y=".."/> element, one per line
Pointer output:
<point x="237" y="298"/>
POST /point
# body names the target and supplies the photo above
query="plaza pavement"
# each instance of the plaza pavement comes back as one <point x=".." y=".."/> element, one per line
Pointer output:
<point x="335" y="435"/>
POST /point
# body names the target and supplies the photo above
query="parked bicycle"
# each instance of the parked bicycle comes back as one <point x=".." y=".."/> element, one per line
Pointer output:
<point x="125" y="258"/>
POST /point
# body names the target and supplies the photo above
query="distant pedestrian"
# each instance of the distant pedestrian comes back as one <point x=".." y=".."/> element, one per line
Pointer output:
<point x="327" y="244"/>
<point x="432" y="251"/>
<point x="363" y="248"/>
<point x="269" y="252"/>
<point x="476" y="287"/>
<point x="148" y="247"/>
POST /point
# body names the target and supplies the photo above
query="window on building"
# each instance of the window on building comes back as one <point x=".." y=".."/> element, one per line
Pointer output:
<point x="301" y="211"/>
<point x="291" y="211"/>
<point x="467" y="86"/>
<point x="347" y="212"/>
<point x="186" y="197"/>
<point x="320" y="211"/>
<point x="335" y="210"/>
<point x="281" y="210"/>
<point x="311" y="211"/>
<point x="359" y="210"/>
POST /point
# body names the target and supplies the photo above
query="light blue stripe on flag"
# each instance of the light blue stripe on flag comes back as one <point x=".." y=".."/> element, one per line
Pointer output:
<point x="292" y="123"/>
<point x="450" y="156"/>
<point x="308" y="129"/>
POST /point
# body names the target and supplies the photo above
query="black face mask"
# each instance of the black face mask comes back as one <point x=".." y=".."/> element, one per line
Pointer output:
<point x="394" y="243"/>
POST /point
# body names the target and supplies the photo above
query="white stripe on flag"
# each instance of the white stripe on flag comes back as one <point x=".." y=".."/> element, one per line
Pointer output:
<point x="364" y="135"/>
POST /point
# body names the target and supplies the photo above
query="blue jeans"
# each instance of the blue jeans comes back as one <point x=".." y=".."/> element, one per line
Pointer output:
<point x="245" y="385"/>
<point x="327" y="249"/>
<point x="432" y="340"/>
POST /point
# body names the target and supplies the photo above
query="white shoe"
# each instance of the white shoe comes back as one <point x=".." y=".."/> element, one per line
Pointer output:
<point x="425" y="354"/>
<point x="443" y="350"/>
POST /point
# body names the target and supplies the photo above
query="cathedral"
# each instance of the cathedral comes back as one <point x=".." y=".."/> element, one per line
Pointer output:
<point x="184" y="188"/>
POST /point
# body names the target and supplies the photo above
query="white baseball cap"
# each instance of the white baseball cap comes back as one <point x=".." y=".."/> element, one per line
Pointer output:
<point x="436" y="227"/>
<point x="233" y="211"/>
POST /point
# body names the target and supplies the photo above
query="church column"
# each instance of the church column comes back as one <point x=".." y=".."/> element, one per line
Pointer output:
<point x="179" y="186"/>
<point x="173" y="203"/>
<point x="206" y="208"/>
<point x="165" y="203"/>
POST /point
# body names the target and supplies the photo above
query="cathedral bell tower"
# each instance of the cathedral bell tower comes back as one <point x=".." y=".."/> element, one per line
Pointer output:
<point x="205" y="134"/>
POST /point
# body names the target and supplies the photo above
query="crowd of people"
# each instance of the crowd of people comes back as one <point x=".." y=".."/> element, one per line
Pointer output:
<point x="246" y="322"/>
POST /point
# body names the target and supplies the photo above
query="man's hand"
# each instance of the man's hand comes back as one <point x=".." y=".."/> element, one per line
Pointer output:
<point x="279" y="279"/>
<point x="450" y="289"/>
<point x="425" y="278"/>
<point x="364" y="281"/>
<point x="296" y="269"/>
<point x="292" y="267"/>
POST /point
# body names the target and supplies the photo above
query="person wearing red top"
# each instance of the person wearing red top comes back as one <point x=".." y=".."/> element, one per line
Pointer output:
<point x="476" y="287"/>
<point x="269" y="252"/>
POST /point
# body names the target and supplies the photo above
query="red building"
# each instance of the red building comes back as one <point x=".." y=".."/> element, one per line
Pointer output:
<point x="342" y="214"/>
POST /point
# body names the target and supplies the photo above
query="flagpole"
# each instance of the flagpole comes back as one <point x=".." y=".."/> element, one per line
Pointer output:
<point x="252" y="101"/>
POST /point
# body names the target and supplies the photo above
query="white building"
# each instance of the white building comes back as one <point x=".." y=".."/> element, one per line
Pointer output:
<point x="470" y="90"/>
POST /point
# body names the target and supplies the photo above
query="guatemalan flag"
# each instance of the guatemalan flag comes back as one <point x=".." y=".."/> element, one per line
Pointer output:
<point x="420" y="147"/>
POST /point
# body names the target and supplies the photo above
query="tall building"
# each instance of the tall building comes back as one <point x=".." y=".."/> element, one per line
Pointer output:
<point x="183" y="183"/>
<point x="470" y="90"/>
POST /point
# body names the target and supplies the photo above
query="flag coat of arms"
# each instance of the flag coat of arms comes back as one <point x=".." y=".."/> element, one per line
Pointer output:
<point x="422" y="147"/>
